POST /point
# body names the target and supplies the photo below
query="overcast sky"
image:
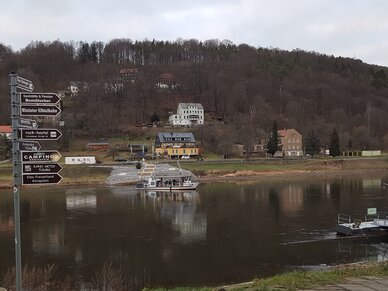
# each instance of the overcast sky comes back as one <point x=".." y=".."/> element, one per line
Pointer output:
<point x="350" y="28"/>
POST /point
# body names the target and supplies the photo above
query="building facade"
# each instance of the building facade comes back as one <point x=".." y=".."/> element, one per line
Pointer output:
<point x="188" y="114"/>
<point x="291" y="142"/>
<point x="175" y="145"/>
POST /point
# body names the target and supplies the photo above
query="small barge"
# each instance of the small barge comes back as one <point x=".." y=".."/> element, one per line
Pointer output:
<point x="348" y="226"/>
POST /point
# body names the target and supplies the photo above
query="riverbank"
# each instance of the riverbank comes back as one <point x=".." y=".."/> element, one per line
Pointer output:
<point x="220" y="171"/>
<point x="362" y="276"/>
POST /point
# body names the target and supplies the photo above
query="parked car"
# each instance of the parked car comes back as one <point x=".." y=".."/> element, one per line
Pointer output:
<point x="185" y="157"/>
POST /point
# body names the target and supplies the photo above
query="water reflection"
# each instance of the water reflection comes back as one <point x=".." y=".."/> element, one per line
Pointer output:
<point x="223" y="232"/>
<point x="181" y="209"/>
<point x="48" y="239"/>
<point x="81" y="202"/>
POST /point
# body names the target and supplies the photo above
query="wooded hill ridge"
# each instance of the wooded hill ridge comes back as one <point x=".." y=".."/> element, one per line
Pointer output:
<point x="245" y="86"/>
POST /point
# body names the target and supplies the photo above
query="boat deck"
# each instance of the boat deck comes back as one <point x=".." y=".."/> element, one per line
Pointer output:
<point x="348" y="226"/>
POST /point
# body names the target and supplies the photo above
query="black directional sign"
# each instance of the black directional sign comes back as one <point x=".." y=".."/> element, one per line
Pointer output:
<point x="29" y="146"/>
<point x="24" y="84"/>
<point x="39" y="98"/>
<point x="41" y="168"/>
<point x="27" y="123"/>
<point x="39" y="179"/>
<point x="39" y="110"/>
<point x="40" y="156"/>
<point x="41" y="134"/>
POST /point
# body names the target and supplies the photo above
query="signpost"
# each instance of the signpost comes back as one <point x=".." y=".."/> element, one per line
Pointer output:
<point x="41" y="134"/>
<point x="41" y="168"/>
<point x="39" y="98"/>
<point x="42" y="156"/>
<point x="29" y="146"/>
<point x="27" y="123"/>
<point x="39" y="110"/>
<point x="24" y="84"/>
<point x="38" y="179"/>
<point x="30" y="165"/>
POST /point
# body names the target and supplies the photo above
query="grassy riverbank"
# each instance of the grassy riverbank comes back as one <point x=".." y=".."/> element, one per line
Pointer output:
<point x="302" y="279"/>
<point x="219" y="170"/>
<point x="72" y="175"/>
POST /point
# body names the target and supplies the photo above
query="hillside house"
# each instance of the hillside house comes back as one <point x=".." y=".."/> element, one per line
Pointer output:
<point x="113" y="87"/>
<point x="290" y="142"/>
<point x="6" y="130"/>
<point x="98" y="145"/>
<point x="174" y="145"/>
<point x="129" y="75"/>
<point x="167" y="81"/>
<point x="76" y="87"/>
<point x="188" y="114"/>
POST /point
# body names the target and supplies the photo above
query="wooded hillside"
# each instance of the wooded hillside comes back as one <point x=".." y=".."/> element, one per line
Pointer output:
<point x="248" y="87"/>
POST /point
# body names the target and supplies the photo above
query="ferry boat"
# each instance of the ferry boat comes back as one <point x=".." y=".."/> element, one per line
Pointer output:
<point x="376" y="224"/>
<point x="168" y="184"/>
<point x="164" y="181"/>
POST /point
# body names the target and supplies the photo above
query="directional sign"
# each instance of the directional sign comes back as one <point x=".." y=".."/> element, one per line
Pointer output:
<point x="41" y="168"/>
<point x="39" y="110"/>
<point x="24" y="84"/>
<point x="41" y="134"/>
<point x="42" y="156"/>
<point x="39" y="98"/>
<point x="29" y="146"/>
<point x="27" y="123"/>
<point x="38" y="179"/>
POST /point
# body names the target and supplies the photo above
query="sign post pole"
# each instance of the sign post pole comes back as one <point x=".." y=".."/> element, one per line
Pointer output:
<point x="17" y="176"/>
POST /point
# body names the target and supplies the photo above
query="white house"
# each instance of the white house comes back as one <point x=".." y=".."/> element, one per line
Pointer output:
<point x="188" y="114"/>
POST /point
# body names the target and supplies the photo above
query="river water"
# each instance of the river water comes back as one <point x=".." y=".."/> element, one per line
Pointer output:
<point x="221" y="233"/>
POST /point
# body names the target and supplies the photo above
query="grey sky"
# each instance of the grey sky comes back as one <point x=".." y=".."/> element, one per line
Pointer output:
<point x="340" y="27"/>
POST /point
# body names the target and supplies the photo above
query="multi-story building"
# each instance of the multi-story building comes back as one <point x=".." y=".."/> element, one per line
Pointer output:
<point x="176" y="144"/>
<point x="188" y="114"/>
<point x="291" y="142"/>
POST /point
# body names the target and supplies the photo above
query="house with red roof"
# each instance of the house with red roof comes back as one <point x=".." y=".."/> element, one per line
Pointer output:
<point x="291" y="142"/>
<point x="6" y="130"/>
<point x="129" y="74"/>
<point x="167" y="81"/>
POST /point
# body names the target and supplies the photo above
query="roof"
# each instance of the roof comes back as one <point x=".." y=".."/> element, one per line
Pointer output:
<point x="128" y="71"/>
<point x="5" y="129"/>
<point x="285" y="132"/>
<point x="175" y="136"/>
<point x="167" y="76"/>
<point x="186" y="105"/>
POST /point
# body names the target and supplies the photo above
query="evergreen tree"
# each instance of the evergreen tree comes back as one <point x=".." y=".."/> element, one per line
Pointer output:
<point x="334" y="144"/>
<point x="5" y="147"/>
<point x="273" y="141"/>
<point x="311" y="143"/>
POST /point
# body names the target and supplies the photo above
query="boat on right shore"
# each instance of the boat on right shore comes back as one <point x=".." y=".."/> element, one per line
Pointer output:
<point x="371" y="224"/>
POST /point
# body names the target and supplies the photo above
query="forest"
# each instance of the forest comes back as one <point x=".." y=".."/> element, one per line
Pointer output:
<point x="243" y="89"/>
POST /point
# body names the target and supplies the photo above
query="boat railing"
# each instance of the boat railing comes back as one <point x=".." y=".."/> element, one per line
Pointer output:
<point x="343" y="218"/>
<point x="347" y="219"/>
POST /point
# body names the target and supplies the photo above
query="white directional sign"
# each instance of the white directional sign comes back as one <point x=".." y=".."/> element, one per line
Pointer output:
<point x="24" y="84"/>
<point x="39" y="98"/>
<point x="29" y="146"/>
<point x="27" y="123"/>
<point x="40" y="156"/>
<point x="39" y="110"/>
<point x="41" y="134"/>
